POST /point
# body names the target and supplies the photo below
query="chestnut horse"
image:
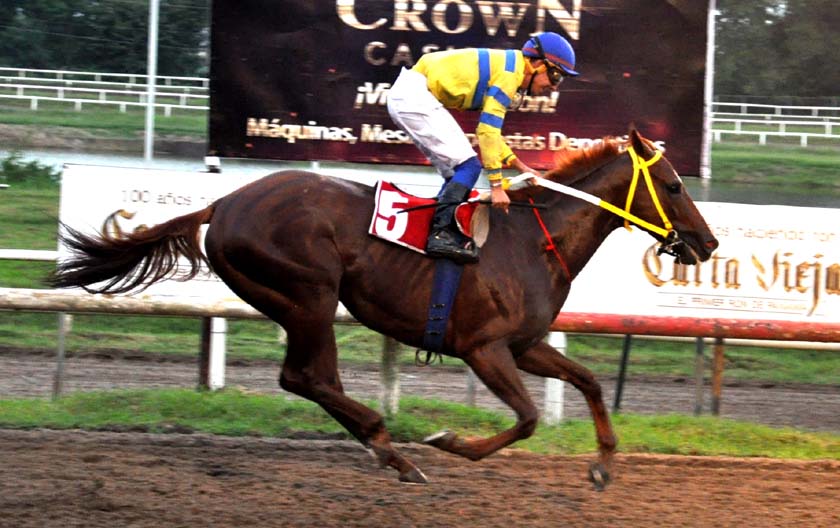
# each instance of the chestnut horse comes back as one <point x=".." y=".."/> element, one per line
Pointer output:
<point x="293" y="244"/>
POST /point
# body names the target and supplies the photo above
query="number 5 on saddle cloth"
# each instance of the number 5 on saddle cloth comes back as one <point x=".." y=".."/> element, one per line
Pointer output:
<point x="405" y="219"/>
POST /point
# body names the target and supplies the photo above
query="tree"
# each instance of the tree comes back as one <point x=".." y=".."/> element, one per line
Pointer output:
<point x="809" y="44"/>
<point x="745" y="55"/>
<point x="777" y="47"/>
<point x="105" y="36"/>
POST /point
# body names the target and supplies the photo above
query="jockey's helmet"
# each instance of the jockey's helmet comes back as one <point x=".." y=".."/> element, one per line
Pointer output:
<point x="553" y="48"/>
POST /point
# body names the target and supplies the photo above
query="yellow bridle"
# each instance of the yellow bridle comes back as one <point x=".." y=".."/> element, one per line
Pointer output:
<point x="640" y="167"/>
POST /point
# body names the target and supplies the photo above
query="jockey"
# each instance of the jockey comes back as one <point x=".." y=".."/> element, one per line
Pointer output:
<point x="489" y="81"/>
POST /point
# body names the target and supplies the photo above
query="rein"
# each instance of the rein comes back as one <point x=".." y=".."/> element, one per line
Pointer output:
<point x="640" y="167"/>
<point x="551" y="245"/>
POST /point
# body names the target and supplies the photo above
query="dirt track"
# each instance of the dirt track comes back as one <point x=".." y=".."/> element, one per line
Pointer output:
<point x="103" y="479"/>
<point x="67" y="478"/>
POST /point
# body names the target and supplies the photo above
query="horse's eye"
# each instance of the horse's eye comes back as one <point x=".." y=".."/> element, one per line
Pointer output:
<point x="674" y="187"/>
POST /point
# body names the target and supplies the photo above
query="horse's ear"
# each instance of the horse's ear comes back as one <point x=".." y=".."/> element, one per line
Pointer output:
<point x="636" y="140"/>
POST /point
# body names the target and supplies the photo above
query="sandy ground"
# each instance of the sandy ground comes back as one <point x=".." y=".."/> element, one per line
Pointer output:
<point x="106" y="479"/>
<point x="74" y="478"/>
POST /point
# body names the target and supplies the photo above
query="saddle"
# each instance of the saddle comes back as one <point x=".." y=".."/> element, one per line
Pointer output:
<point x="404" y="218"/>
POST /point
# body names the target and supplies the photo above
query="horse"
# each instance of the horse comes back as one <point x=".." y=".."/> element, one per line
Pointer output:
<point x="294" y="243"/>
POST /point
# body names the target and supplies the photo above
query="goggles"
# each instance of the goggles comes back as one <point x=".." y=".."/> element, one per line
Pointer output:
<point x="555" y="75"/>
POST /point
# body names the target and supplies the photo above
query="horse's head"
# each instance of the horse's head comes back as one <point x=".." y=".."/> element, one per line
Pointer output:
<point x="657" y="196"/>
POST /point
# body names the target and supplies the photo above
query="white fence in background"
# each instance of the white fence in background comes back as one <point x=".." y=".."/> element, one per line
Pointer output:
<point x="130" y="80"/>
<point x="121" y="90"/>
<point x="807" y="124"/>
<point x="764" y="121"/>
<point x="778" y="110"/>
<point x="80" y="97"/>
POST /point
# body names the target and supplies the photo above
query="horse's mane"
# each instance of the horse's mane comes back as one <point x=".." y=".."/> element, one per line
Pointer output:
<point x="573" y="164"/>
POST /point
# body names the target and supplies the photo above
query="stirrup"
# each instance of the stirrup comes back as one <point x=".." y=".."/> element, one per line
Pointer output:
<point x="453" y="246"/>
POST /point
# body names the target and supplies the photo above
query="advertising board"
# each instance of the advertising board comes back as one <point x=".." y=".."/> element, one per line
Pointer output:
<point x="773" y="263"/>
<point x="308" y="79"/>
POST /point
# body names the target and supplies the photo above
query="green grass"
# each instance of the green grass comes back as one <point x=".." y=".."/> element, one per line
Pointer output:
<point x="790" y="166"/>
<point x="106" y="121"/>
<point x="235" y="413"/>
<point x="29" y="217"/>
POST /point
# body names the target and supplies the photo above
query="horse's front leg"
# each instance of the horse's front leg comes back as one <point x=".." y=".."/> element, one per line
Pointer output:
<point x="543" y="360"/>
<point x="494" y="365"/>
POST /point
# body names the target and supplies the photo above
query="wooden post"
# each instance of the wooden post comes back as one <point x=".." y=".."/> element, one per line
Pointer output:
<point x="204" y="355"/>
<point x="389" y="397"/>
<point x="58" y="379"/>
<point x="622" y="372"/>
<point x="717" y="376"/>
<point x="699" y="366"/>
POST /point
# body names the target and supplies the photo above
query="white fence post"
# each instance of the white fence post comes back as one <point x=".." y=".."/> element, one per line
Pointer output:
<point x="472" y="380"/>
<point x="553" y="412"/>
<point x="218" y="332"/>
<point x="58" y="378"/>
<point x="389" y="397"/>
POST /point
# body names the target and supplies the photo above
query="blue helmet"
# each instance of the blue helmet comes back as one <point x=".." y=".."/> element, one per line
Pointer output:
<point x="553" y="48"/>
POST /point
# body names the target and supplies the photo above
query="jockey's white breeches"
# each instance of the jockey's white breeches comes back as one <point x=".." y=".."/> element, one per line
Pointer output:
<point x="429" y="124"/>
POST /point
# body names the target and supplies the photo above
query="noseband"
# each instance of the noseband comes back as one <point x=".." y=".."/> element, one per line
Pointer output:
<point x="671" y="244"/>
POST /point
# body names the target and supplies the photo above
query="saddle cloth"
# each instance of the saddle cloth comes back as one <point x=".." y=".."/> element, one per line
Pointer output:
<point x="411" y="228"/>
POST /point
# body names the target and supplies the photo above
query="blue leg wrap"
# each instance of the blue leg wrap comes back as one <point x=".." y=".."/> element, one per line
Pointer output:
<point x="467" y="172"/>
<point x="445" y="286"/>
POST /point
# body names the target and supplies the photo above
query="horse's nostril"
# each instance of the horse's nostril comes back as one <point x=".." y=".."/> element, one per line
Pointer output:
<point x="712" y="244"/>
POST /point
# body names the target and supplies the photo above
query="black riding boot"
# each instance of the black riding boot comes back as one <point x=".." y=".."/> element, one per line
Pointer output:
<point x="445" y="240"/>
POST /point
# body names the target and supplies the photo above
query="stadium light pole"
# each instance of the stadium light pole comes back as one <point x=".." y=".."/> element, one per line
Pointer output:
<point x="708" y="94"/>
<point x="151" y="81"/>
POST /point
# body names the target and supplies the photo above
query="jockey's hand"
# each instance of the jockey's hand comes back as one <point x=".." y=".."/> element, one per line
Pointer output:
<point x="500" y="198"/>
<point x="522" y="168"/>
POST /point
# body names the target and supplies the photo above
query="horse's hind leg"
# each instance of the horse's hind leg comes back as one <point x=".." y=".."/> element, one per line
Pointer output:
<point x="311" y="370"/>
<point x="494" y="365"/>
<point x="306" y="311"/>
<point x="543" y="360"/>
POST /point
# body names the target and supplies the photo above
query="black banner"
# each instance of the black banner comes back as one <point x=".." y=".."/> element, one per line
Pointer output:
<point x="308" y="79"/>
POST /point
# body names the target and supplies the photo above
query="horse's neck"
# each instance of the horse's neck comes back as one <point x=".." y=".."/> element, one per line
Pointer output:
<point x="579" y="227"/>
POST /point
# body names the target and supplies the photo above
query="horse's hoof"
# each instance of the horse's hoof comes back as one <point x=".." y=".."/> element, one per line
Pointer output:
<point x="414" y="476"/>
<point x="599" y="476"/>
<point x="441" y="439"/>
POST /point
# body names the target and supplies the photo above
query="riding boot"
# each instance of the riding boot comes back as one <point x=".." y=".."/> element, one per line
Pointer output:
<point x="445" y="239"/>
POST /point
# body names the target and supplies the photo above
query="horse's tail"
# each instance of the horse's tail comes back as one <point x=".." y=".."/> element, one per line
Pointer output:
<point x="118" y="264"/>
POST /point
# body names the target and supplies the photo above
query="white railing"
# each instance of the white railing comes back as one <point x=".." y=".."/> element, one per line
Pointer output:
<point x="101" y="94"/>
<point x="123" y="106"/>
<point x="828" y="129"/>
<point x="86" y="96"/>
<point x="764" y="121"/>
<point x="778" y="110"/>
<point x="70" y="77"/>
<point x="112" y="89"/>
<point x="115" y="85"/>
